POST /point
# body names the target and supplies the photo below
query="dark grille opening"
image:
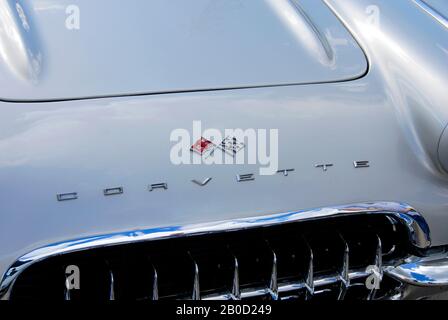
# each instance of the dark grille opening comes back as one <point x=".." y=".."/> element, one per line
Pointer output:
<point x="134" y="266"/>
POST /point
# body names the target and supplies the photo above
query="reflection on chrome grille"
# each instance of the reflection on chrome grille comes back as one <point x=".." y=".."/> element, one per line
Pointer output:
<point x="317" y="259"/>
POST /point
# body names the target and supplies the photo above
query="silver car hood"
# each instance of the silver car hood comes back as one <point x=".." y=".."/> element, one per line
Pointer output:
<point x="393" y="117"/>
<point x="164" y="46"/>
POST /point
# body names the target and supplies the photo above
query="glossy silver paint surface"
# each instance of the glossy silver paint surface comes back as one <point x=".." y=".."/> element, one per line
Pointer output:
<point x="416" y="226"/>
<point x="438" y="9"/>
<point x="394" y="117"/>
<point x="158" y="46"/>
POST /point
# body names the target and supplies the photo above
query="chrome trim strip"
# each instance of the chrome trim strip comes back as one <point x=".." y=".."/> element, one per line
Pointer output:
<point x="418" y="229"/>
<point x="432" y="12"/>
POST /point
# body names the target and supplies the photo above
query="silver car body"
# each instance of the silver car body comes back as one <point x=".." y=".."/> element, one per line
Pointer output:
<point x="89" y="109"/>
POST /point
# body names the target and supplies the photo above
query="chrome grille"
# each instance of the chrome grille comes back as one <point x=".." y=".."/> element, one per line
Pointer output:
<point x="319" y="259"/>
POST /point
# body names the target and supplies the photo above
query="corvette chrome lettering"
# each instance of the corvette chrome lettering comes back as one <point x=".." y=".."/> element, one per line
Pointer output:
<point x="203" y="183"/>
<point x="113" y="191"/>
<point x="158" y="186"/>
<point x="361" y="164"/>
<point x="324" y="166"/>
<point x="67" y="196"/>
<point x="200" y="147"/>
<point x="245" y="177"/>
<point x="285" y="171"/>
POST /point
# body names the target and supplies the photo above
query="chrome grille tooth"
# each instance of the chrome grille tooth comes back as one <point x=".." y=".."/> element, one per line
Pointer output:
<point x="345" y="270"/>
<point x="273" y="285"/>
<point x="309" y="281"/>
<point x="378" y="266"/>
<point x="67" y="286"/>
<point x="236" y="292"/>
<point x="155" y="285"/>
<point x="393" y="223"/>
<point x="111" y="286"/>
<point x="379" y="256"/>
<point x="67" y="296"/>
<point x="196" y="295"/>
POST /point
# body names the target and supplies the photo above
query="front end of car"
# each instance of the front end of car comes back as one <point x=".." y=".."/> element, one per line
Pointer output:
<point x="223" y="150"/>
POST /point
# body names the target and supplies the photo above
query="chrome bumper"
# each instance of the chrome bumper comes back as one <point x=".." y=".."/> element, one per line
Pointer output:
<point x="418" y="278"/>
<point x="421" y="278"/>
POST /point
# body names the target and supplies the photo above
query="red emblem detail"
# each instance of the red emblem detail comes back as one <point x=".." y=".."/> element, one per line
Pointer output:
<point x="203" y="146"/>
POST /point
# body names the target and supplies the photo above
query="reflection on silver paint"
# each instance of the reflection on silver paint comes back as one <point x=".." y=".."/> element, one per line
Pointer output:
<point x="412" y="220"/>
<point x="170" y="46"/>
<point x="407" y="60"/>
<point x="443" y="148"/>
<point x="433" y="12"/>
<point x="406" y="63"/>
<point x="304" y="29"/>
<point x="20" y="51"/>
